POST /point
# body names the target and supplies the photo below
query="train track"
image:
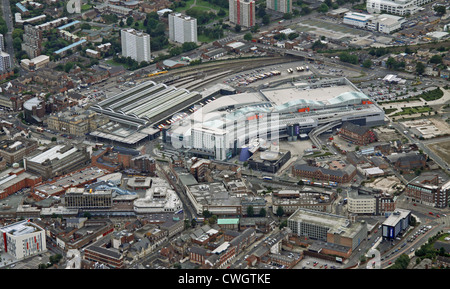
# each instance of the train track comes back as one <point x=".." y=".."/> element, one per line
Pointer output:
<point x="221" y="69"/>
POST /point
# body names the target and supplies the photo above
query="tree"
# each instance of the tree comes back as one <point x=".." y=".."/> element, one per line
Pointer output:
<point x="436" y="59"/>
<point x="280" y="211"/>
<point x="248" y="36"/>
<point x="262" y="212"/>
<point x="130" y="21"/>
<point x="287" y="16"/>
<point x="221" y="13"/>
<point x="420" y="68"/>
<point x="323" y="8"/>
<point x="367" y="63"/>
<point x="68" y="66"/>
<point x="207" y="214"/>
<point x="266" y="19"/>
<point x="250" y="211"/>
<point x="237" y="28"/>
<point x="439" y="9"/>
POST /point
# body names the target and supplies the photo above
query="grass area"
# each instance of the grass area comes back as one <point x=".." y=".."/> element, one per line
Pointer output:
<point x="204" y="38"/>
<point x="85" y="7"/>
<point x="413" y="110"/>
<point x="389" y="110"/>
<point x="432" y="94"/>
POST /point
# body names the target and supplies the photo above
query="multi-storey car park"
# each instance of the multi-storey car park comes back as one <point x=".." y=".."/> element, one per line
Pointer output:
<point x="220" y="128"/>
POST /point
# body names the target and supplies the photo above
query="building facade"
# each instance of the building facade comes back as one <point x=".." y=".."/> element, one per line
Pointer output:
<point x="57" y="161"/>
<point x="398" y="7"/>
<point x="78" y="198"/>
<point x="425" y="189"/>
<point x="23" y="239"/>
<point x="182" y="28"/>
<point x="356" y="134"/>
<point x="242" y="12"/>
<point x="135" y="44"/>
<point x="283" y="6"/>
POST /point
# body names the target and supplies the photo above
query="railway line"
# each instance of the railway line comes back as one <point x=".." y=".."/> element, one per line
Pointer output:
<point x="197" y="76"/>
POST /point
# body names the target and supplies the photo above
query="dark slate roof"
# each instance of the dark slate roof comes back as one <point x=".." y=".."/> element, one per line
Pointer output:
<point x="361" y="130"/>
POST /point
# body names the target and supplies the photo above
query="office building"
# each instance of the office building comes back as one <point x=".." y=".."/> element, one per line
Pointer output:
<point x="79" y="122"/>
<point x="398" y="222"/>
<point x="23" y="239"/>
<point x="283" y="6"/>
<point x="328" y="228"/>
<point x="57" y="160"/>
<point x="14" y="150"/>
<point x="35" y="63"/>
<point x="79" y="198"/>
<point x="427" y="189"/>
<point x="384" y="23"/>
<point x="182" y="28"/>
<point x="135" y="44"/>
<point x="242" y="12"/>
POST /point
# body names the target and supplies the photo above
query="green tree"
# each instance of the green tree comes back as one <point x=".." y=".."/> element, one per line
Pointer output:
<point x="436" y="59"/>
<point x="323" y="8"/>
<point x="266" y="19"/>
<point x="250" y="211"/>
<point x="280" y="211"/>
<point x="130" y="21"/>
<point x="367" y="63"/>
<point x="207" y="214"/>
<point x="68" y="66"/>
<point x="440" y="9"/>
<point x="262" y="212"/>
<point x="248" y="36"/>
<point x="420" y="68"/>
<point x="237" y="28"/>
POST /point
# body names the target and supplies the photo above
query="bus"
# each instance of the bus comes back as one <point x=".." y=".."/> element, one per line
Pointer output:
<point x="267" y="178"/>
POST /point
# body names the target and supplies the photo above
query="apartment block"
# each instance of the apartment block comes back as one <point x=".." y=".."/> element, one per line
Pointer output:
<point x="242" y="12"/>
<point x="182" y="28"/>
<point x="135" y="44"/>
<point x="283" y="6"/>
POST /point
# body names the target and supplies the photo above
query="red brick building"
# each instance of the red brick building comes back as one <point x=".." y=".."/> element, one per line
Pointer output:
<point x="360" y="135"/>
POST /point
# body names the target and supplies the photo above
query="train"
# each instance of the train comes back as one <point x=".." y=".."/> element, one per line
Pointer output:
<point x="157" y="73"/>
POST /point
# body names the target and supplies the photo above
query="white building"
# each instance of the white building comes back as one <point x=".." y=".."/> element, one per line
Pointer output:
<point x="242" y="12"/>
<point x="2" y="42"/>
<point x="182" y="28"/>
<point x="284" y="6"/>
<point x="5" y="61"/>
<point x="23" y="239"/>
<point x="384" y="23"/>
<point x="357" y="19"/>
<point x="135" y="44"/>
<point x="398" y="7"/>
<point x="158" y="199"/>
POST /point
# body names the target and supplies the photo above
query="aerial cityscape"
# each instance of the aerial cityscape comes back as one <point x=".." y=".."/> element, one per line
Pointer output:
<point x="225" y="134"/>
